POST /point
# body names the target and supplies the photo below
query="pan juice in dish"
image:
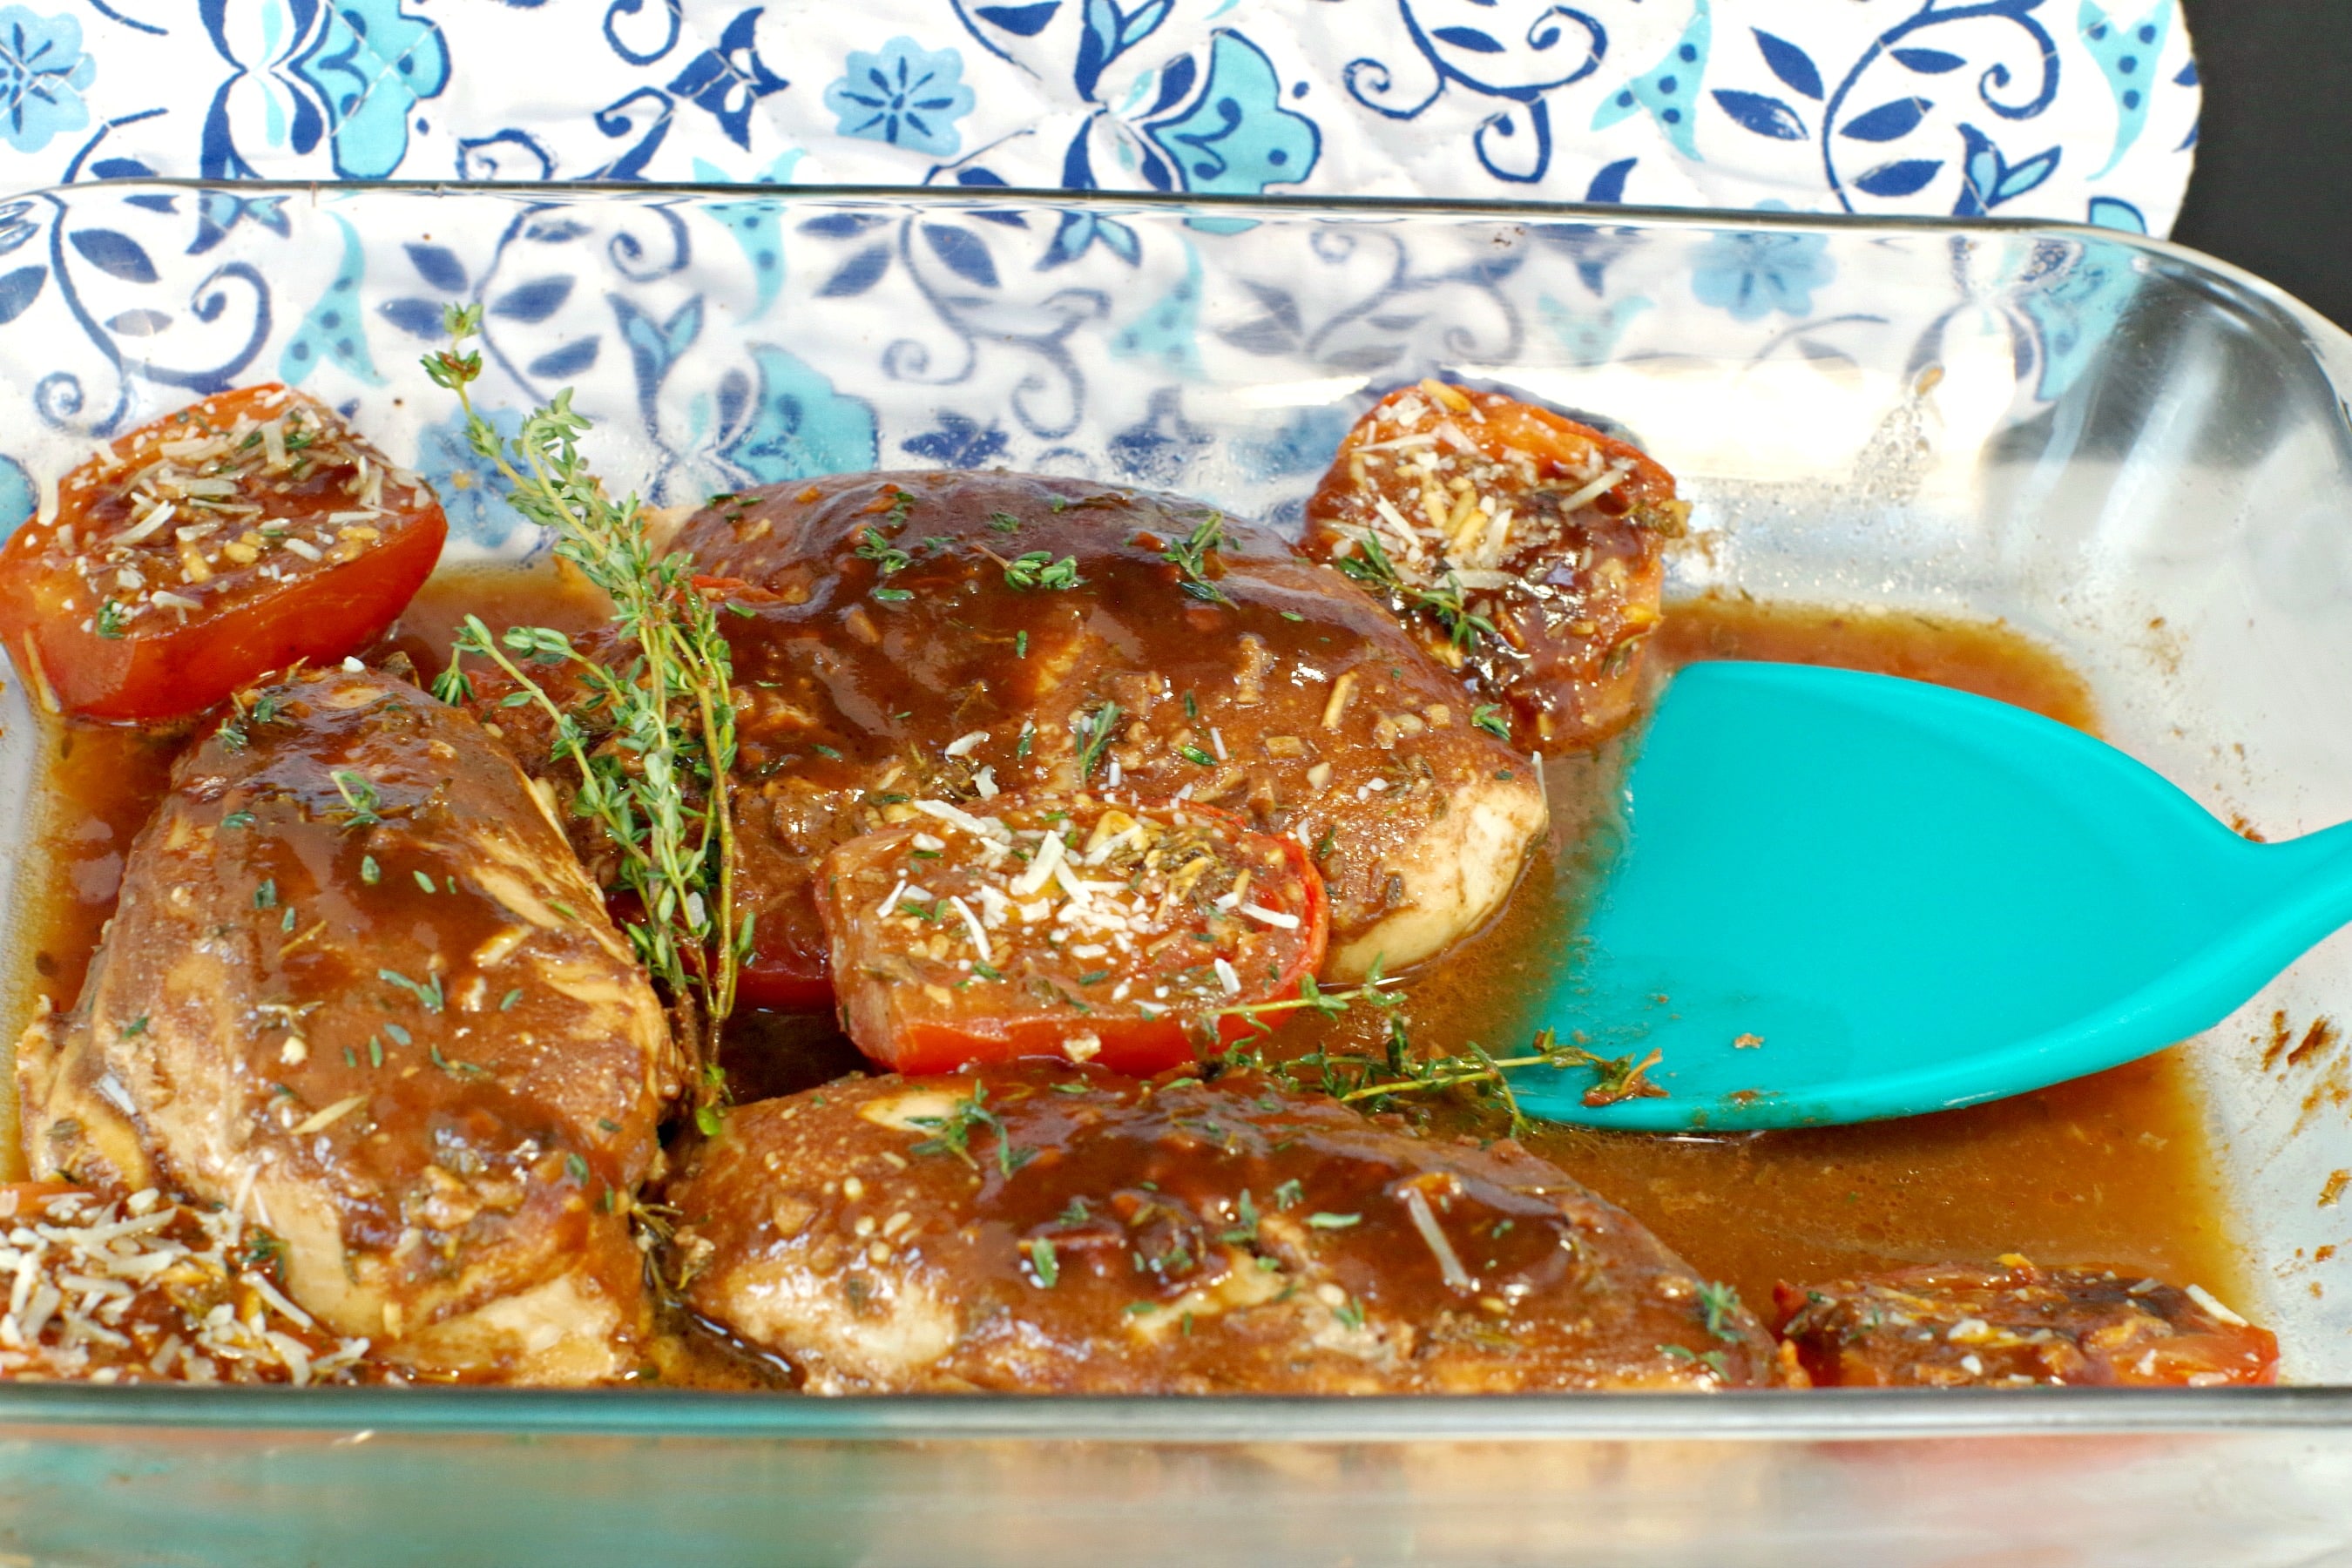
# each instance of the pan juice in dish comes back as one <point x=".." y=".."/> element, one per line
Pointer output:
<point x="1190" y="879"/>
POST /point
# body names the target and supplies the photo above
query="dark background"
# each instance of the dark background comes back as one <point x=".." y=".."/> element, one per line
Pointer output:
<point x="2273" y="190"/>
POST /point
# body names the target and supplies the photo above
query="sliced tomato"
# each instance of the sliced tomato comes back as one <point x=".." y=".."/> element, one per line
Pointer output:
<point x="784" y="973"/>
<point x="243" y="534"/>
<point x="948" y="947"/>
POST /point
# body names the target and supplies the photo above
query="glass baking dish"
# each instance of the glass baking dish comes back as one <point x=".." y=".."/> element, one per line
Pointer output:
<point x="2140" y="457"/>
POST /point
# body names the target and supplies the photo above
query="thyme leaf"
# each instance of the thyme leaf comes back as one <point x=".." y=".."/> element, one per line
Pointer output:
<point x="1190" y="556"/>
<point x="1369" y="565"/>
<point x="651" y="742"/>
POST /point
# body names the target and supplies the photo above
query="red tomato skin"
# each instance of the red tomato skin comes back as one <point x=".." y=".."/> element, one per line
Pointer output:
<point x="785" y="982"/>
<point x="318" y="619"/>
<point x="1139" y="1047"/>
<point x="149" y="677"/>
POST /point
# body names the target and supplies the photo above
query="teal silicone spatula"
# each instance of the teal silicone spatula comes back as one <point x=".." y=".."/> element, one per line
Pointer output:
<point x="1847" y="897"/>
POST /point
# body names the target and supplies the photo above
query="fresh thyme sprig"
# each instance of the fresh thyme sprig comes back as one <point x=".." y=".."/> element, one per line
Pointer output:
<point x="1355" y="1077"/>
<point x="1370" y="564"/>
<point x="653" y="741"/>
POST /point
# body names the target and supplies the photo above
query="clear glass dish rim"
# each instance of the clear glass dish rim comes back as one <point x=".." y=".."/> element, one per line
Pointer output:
<point x="1260" y="206"/>
<point x="1758" y="1416"/>
<point x="1763" y="1416"/>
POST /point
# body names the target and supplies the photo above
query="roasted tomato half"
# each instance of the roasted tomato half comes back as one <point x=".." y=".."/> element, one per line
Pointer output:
<point x="241" y="535"/>
<point x="1127" y="938"/>
<point x="1951" y="1325"/>
<point x="1526" y="550"/>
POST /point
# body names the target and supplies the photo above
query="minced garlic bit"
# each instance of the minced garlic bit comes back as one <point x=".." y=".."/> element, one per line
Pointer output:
<point x="146" y="1289"/>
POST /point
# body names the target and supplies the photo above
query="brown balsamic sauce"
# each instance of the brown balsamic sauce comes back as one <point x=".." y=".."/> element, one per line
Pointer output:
<point x="2111" y="1168"/>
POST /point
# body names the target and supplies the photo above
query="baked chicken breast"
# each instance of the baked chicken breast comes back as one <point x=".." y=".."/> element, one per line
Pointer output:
<point x="950" y="637"/>
<point x="1048" y="1229"/>
<point x="359" y="991"/>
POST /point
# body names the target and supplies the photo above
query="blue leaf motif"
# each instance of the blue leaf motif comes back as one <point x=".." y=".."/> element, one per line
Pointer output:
<point x="1668" y="91"/>
<point x="1764" y="115"/>
<point x="857" y="274"/>
<point x="438" y="265"/>
<point x="1141" y="22"/>
<point x="331" y="332"/>
<point x="19" y="290"/>
<point x="1988" y="179"/>
<point x="1905" y="178"/>
<point x="417" y="318"/>
<point x="570" y="360"/>
<point x="138" y="323"/>
<point x="1020" y="21"/>
<point x="654" y="346"/>
<point x="1175" y="82"/>
<point x="1790" y="64"/>
<point x="1888" y="121"/>
<point x="963" y="253"/>
<point x="1236" y="138"/>
<point x="533" y="301"/>
<point x="1928" y="62"/>
<point x="1470" y="39"/>
<point x="842" y="225"/>
<point x="2025" y="176"/>
<point x="1609" y="185"/>
<point x="729" y="81"/>
<point x="117" y="254"/>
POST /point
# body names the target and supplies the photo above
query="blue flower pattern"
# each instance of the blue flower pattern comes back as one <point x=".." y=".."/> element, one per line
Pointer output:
<point x="2077" y="108"/>
<point x="954" y="336"/>
<point x="1756" y="273"/>
<point x="1965" y="106"/>
<point x="905" y="95"/>
<point x="471" y="490"/>
<point x="42" y="74"/>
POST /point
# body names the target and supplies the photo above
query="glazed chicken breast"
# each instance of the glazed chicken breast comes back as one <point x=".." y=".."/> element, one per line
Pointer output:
<point x="952" y="636"/>
<point x="1049" y="1228"/>
<point x="359" y="992"/>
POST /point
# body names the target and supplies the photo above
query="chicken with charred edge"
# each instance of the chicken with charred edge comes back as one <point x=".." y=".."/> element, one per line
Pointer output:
<point x="903" y="638"/>
<point x="359" y="991"/>
<point x="1948" y="1325"/>
<point x="1046" y="1229"/>
<point x="1522" y="549"/>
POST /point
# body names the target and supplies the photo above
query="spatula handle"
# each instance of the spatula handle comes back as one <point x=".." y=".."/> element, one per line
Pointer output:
<point x="2314" y="893"/>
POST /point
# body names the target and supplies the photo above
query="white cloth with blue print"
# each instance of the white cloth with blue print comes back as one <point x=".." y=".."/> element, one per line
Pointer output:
<point x="2053" y="108"/>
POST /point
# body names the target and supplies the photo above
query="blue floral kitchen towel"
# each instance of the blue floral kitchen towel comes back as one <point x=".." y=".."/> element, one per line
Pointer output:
<point x="2054" y="109"/>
